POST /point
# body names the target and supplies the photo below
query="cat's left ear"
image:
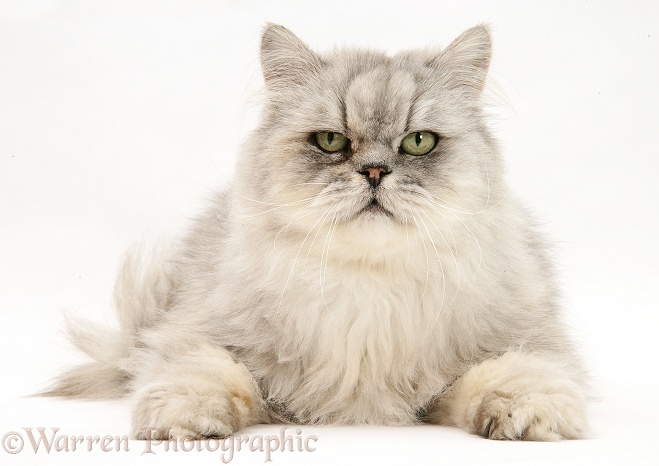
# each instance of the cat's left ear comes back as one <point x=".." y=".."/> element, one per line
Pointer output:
<point x="467" y="58"/>
<point x="285" y="59"/>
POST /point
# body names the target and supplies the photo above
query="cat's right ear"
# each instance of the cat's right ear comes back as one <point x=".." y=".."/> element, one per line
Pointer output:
<point x="285" y="59"/>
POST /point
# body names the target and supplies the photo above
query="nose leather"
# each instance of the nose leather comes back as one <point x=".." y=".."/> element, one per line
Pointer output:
<point x="374" y="175"/>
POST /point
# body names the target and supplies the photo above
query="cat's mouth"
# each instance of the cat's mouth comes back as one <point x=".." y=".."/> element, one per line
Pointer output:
<point x="374" y="207"/>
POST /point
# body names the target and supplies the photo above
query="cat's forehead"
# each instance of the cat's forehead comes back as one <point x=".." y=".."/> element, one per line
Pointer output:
<point x="370" y="96"/>
<point x="378" y="101"/>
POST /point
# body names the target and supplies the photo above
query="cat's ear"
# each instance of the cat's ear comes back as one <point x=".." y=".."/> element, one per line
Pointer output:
<point x="285" y="59"/>
<point x="467" y="58"/>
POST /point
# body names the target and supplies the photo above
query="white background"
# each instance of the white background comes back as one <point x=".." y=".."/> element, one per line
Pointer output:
<point x="117" y="119"/>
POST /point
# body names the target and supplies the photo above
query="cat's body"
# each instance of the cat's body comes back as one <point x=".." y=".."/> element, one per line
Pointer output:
<point x="364" y="285"/>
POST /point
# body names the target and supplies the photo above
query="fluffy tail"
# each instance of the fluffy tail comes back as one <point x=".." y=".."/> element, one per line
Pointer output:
<point x="140" y="296"/>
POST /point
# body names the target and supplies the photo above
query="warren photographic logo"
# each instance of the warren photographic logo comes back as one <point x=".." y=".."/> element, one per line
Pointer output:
<point x="43" y="440"/>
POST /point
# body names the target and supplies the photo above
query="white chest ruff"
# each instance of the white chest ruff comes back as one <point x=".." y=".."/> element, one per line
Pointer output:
<point x="360" y="345"/>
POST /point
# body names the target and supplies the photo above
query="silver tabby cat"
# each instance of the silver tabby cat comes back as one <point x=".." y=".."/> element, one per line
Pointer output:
<point x="368" y="265"/>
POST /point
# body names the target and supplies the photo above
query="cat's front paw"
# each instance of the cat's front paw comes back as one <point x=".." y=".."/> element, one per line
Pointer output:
<point x="532" y="416"/>
<point x="164" y="411"/>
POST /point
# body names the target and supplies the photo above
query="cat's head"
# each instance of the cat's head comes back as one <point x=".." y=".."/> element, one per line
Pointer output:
<point x="369" y="146"/>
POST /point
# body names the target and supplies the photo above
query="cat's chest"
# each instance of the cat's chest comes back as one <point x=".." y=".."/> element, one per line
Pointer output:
<point x="355" y="338"/>
<point x="366" y="313"/>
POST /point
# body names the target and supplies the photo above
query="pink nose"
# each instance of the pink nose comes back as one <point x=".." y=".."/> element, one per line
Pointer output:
<point x="375" y="172"/>
<point x="374" y="175"/>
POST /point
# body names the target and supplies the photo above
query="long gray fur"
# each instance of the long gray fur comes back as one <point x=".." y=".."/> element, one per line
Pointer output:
<point x="288" y="300"/>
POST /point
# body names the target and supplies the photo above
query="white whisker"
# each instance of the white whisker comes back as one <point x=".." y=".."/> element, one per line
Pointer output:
<point x="455" y="259"/>
<point x="478" y="244"/>
<point x="467" y="212"/>
<point x="322" y="217"/>
<point x="423" y="243"/>
<point x="328" y="240"/>
<point x="441" y="267"/>
<point x="294" y="218"/>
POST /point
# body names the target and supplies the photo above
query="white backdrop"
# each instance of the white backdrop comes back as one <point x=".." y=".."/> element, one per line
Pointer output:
<point x="117" y="119"/>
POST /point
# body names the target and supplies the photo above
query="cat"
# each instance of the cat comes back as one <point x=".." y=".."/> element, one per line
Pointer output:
<point x="368" y="265"/>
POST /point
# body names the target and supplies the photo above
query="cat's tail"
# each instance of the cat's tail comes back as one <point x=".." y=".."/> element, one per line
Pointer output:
<point x="140" y="296"/>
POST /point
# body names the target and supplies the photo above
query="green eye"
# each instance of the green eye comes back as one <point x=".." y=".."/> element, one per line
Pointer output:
<point x="331" y="142"/>
<point x="418" y="143"/>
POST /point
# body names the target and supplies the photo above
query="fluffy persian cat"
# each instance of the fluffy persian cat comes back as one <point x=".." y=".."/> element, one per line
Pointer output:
<point x="368" y="265"/>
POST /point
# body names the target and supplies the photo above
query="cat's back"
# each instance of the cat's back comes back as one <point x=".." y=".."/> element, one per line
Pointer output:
<point x="199" y="256"/>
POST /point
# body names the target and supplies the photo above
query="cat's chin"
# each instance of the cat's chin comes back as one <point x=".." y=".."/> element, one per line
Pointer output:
<point x="372" y="230"/>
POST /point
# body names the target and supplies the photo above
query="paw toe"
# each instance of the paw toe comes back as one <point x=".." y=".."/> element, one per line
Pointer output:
<point x="524" y="418"/>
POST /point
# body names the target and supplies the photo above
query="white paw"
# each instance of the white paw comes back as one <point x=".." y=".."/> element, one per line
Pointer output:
<point x="529" y="416"/>
<point x="166" y="411"/>
<point x="520" y="396"/>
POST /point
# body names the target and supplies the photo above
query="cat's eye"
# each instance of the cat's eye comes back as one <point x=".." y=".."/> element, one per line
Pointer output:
<point x="331" y="142"/>
<point x="418" y="143"/>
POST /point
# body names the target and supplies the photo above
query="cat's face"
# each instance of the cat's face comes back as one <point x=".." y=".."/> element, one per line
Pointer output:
<point x="358" y="140"/>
